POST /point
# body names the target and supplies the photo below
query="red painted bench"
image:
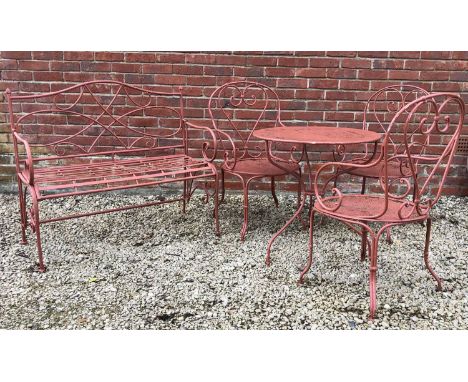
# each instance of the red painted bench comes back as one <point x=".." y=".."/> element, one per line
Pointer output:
<point x="102" y="136"/>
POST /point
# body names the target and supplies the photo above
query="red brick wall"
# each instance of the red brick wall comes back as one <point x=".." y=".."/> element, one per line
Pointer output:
<point x="314" y="86"/>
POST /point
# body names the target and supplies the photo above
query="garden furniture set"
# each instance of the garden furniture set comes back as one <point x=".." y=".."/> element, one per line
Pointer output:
<point x="101" y="136"/>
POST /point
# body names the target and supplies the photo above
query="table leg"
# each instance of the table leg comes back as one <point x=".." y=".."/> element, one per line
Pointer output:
<point x="294" y="217"/>
<point x="303" y="194"/>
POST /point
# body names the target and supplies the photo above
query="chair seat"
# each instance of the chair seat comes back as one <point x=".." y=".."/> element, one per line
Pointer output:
<point x="115" y="174"/>
<point x="376" y="170"/>
<point x="261" y="166"/>
<point x="362" y="207"/>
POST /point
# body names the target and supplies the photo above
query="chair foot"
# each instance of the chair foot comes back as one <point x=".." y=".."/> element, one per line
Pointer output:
<point x="41" y="268"/>
<point x="388" y="237"/>
<point x="363" y="244"/>
<point x="373" y="278"/>
<point x="311" y="242"/>
<point x="273" y="192"/>
<point x="426" y="256"/>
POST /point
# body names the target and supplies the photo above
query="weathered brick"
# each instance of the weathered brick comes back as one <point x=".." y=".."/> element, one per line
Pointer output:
<point x="47" y="55"/>
<point x="318" y="62"/>
<point x="405" y="54"/>
<point x="341" y="54"/>
<point x="140" y="57"/>
<point x="293" y="61"/>
<point x="78" y="56"/>
<point x="373" y="54"/>
<point x="323" y="84"/>
<point x="403" y="75"/>
<point x="292" y="83"/>
<point x="372" y="74"/>
<point x="249" y="71"/>
<point x="109" y="56"/>
<point x="164" y="68"/>
<point x="200" y="58"/>
<point x="17" y="55"/>
<point x="125" y="67"/>
<point x="65" y="66"/>
<point x="33" y="65"/>
<point x="279" y="72"/>
<point x="311" y="72"/>
<point x="219" y="70"/>
<point x="436" y="55"/>
<point x="461" y="56"/>
<point x="356" y="63"/>
<point x="262" y="61"/>
<point x="354" y="85"/>
<point x="88" y="66"/>
<point x="228" y="59"/>
<point x="165" y="79"/>
<point x="16" y="75"/>
<point x="172" y="58"/>
<point x="457" y="76"/>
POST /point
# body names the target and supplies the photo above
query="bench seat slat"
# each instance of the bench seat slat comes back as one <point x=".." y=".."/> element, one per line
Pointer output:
<point x="114" y="174"/>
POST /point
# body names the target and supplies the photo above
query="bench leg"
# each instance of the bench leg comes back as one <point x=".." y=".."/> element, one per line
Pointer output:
<point x="23" y="212"/>
<point x="184" y="197"/>
<point x="35" y="225"/>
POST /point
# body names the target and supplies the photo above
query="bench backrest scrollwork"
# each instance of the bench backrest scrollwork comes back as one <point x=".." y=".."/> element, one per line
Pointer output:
<point x="98" y="118"/>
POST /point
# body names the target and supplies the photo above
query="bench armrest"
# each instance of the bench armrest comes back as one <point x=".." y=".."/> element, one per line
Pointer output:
<point x="28" y="171"/>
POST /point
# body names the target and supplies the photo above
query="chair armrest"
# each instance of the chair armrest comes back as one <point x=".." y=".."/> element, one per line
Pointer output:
<point x="28" y="171"/>
<point x="319" y="195"/>
<point x="221" y="136"/>
<point x="206" y="145"/>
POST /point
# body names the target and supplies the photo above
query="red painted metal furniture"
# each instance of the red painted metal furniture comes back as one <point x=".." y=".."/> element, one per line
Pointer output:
<point x="378" y="112"/>
<point x="421" y="139"/>
<point x="101" y="136"/>
<point x="237" y="109"/>
<point x="304" y="137"/>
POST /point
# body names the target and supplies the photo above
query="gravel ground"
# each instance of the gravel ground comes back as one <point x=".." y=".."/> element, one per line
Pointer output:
<point x="155" y="268"/>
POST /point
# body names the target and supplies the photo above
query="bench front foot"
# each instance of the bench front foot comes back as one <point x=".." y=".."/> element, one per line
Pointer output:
<point x="35" y="226"/>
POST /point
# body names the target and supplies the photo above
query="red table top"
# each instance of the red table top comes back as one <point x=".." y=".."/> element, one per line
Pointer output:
<point x="317" y="135"/>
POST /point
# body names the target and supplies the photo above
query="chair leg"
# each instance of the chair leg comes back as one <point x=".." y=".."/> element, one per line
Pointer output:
<point x="36" y="228"/>
<point x="363" y="187"/>
<point x="245" y="186"/>
<point x="299" y="189"/>
<point x="311" y="242"/>
<point x="23" y="212"/>
<point x="273" y="191"/>
<point x="415" y="181"/>
<point x="373" y="277"/>
<point x="387" y="236"/>
<point x="363" y="244"/>
<point x="222" y="186"/>
<point x="426" y="255"/>
<point x="216" y="205"/>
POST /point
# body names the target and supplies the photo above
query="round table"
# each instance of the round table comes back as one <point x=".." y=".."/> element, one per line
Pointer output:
<point x="310" y="135"/>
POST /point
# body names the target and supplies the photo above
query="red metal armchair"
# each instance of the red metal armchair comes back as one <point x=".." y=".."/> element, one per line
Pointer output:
<point x="236" y="110"/>
<point x="381" y="107"/>
<point x="427" y="132"/>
